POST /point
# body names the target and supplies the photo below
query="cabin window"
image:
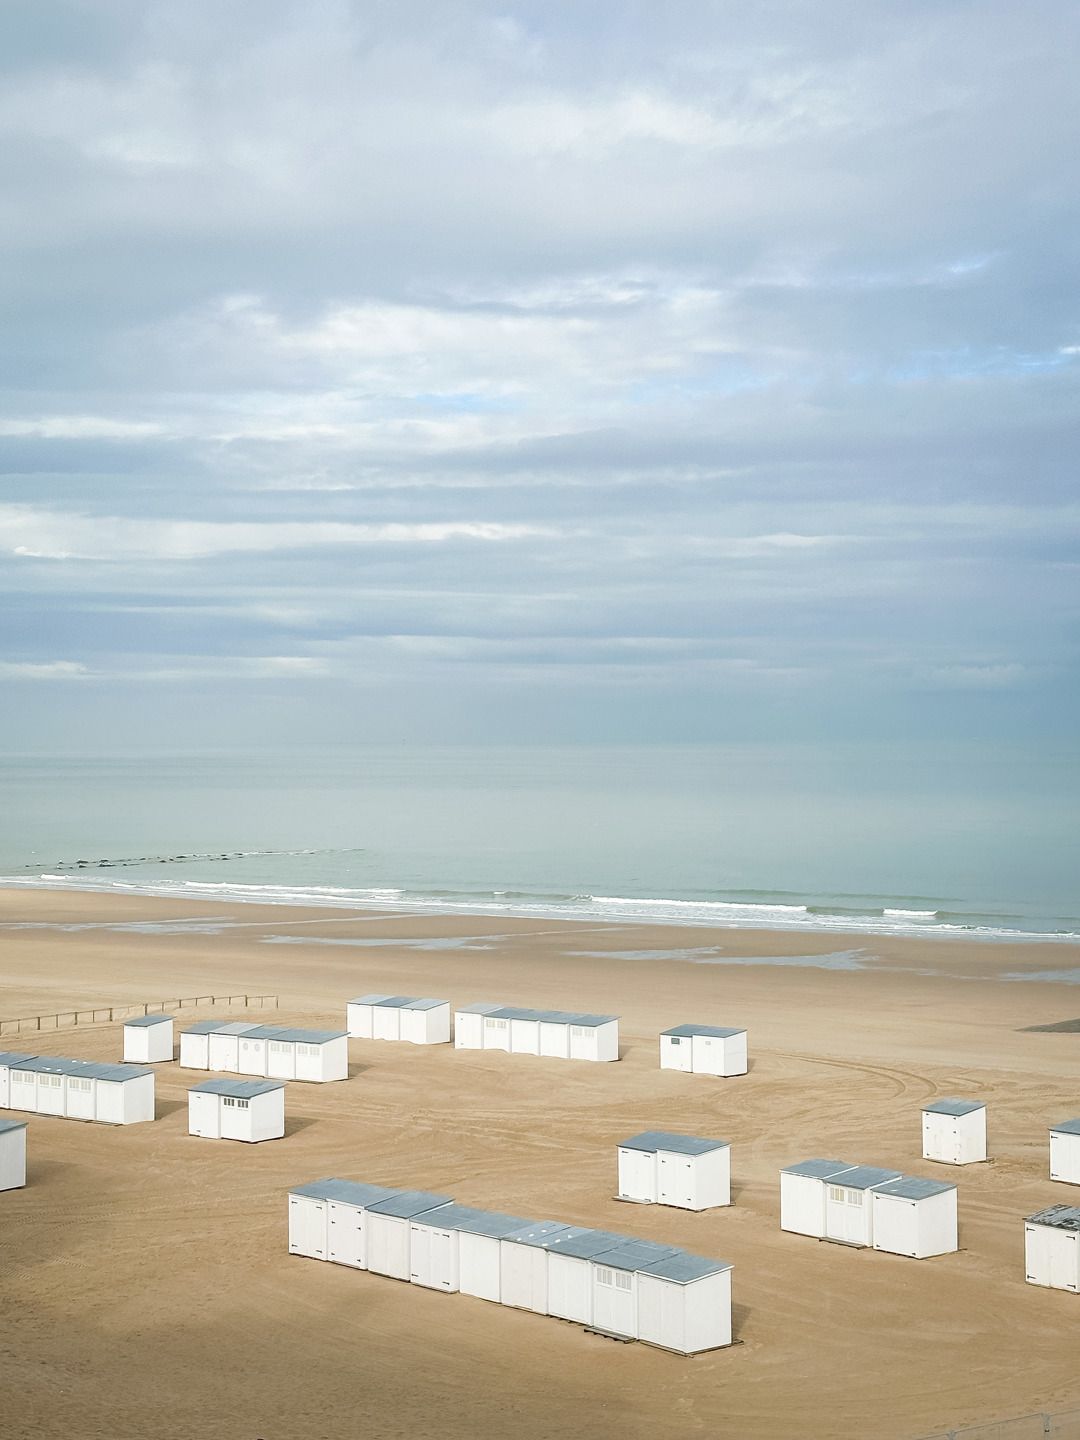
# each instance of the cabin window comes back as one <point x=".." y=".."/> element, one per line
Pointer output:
<point x="496" y="1024"/>
<point x="843" y="1196"/>
<point x="579" y="1030"/>
<point x="53" y="1081"/>
<point x="675" y="1039"/>
<point x="604" y="1276"/>
<point x="231" y="1100"/>
<point x="279" y="1046"/>
<point x="75" y="1083"/>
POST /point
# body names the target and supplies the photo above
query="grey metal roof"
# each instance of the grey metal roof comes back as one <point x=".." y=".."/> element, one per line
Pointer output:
<point x="407" y="1203"/>
<point x="582" y="1244"/>
<point x="424" y="1003"/>
<point x="684" y="1269"/>
<point x="720" y="1031"/>
<point x="676" y="1144"/>
<point x="817" y="1169"/>
<point x="913" y="1187"/>
<point x="369" y="999"/>
<point x="1061" y="1217"/>
<point x="204" y="1027"/>
<point x="142" y="1020"/>
<point x="13" y="1057"/>
<point x="285" y="1032"/>
<point x="345" y="1192"/>
<point x="399" y="1002"/>
<point x="1067" y="1127"/>
<point x="546" y="1017"/>
<point x="491" y="1223"/>
<point x="536" y="1232"/>
<point x="952" y="1107"/>
<point x="89" y="1069"/>
<point x="235" y="1027"/>
<point x="6" y="1125"/>
<point x="636" y="1255"/>
<point x="241" y="1089"/>
<point x="450" y="1217"/>
<point x="865" y="1177"/>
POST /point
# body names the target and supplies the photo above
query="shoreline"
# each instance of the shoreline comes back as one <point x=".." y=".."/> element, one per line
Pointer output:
<point x="122" y="1234"/>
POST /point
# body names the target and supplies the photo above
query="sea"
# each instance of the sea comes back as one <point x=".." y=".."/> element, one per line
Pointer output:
<point x="949" y="840"/>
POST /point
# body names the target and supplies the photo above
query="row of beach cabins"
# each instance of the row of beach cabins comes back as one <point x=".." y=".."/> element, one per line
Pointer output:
<point x="622" y="1286"/>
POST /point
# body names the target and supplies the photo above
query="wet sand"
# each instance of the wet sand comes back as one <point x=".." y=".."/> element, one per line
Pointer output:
<point x="147" y="1286"/>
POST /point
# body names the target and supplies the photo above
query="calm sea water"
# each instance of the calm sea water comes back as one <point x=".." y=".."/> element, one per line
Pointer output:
<point x="952" y="841"/>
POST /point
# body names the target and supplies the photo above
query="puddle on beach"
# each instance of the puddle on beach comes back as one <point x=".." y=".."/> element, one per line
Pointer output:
<point x="1051" y="977"/>
<point x="447" y="942"/>
<point x="711" y="955"/>
<point x="133" y="927"/>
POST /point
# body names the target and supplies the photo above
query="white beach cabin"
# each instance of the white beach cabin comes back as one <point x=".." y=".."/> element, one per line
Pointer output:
<point x="12" y="1154"/>
<point x="479" y="1268"/>
<point x="148" y="1038"/>
<point x="849" y="1211"/>
<point x="558" y="1034"/>
<point x="224" y="1045"/>
<point x="954" y="1132"/>
<point x="419" y="1021"/>
<point x="1052" y="1248"/>
<point x="802" y="1195"/>
<point x="9" y="1059"/>
<point x="326" y="1220"/>
<point x="523" y="1265"/>
<point x="388" y="1230"/>
<point x="913" y="1216"/>
<point x="195" y="1045"/>
<point x="569" y="1274"/>
<point x="684" y="1304"/>
<point x="284" y="1053"/>
<point x="434" y="1246"/>
<point x="657" y="1167"/>
<point x="704" y="1050"/>
<point x="82" y="1090"/>
<point x="250" y="1110"/>
<point x="1065" y="1152"/>
<point x="615" y="1284"/>
<point x="469" y="1026"/>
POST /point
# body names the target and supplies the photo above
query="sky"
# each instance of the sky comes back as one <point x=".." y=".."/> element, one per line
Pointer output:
<point x="570" y="372"/>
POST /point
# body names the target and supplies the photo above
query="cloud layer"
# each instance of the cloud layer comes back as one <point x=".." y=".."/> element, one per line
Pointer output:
<point x="519" y="372"/>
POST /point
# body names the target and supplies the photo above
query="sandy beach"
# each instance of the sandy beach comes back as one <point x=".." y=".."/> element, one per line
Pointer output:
<point x="148" y="1289"/>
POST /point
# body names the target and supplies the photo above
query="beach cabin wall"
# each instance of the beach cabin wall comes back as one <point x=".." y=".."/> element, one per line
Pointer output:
<point x="12" y="1154"/>
<point x="569" y="1274"/>
<point x="418" y="1020"/>
<point x="326" y="1220"/>
<point x="684" y="1304"/>
<point x="686" y="1171"/>
<point x="148" y="1038"/>
<point x="195" y="1045"/>
<point x="249" y="1110"/>
<point x="435" y="1246"/>
<point x="915" y="1217"/>
<point x="1065" y="1152"/>
<point x="469" y="1025"/>
<point x="225" y="1045"/>
<point x="479" y="1268"/>
<point x="388" y="1230"/>
<point x="802" y="1195"/>
<point x="523" y="1265"/>
<point x="8" y="1059"/>
<point x="1052" y="1248"/>
<point x="954" y="1132"/>
<point x="560" y="1034"/>
<point x="704" y="1050"/>
<point x="849" y="1213"/>
<point x="81" y="1089"/>
<point x="615" y="1281"/>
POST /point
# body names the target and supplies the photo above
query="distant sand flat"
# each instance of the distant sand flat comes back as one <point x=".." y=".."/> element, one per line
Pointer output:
<point x="147" y="1288"/>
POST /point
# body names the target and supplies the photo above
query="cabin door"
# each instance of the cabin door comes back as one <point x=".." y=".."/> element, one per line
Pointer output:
<point x="844" y="1218"/>
<point x="346" y="1235"/>
<point x="1065" y="1262"/>
<point x="204" y="1114"/>
<point x="675" y="1180"/>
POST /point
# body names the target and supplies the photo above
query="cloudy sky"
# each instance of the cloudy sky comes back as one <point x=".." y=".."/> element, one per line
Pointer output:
<point x="568" y="371"/>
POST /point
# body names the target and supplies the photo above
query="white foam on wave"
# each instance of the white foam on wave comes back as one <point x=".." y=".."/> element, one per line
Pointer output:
<point x="720" y="914"/>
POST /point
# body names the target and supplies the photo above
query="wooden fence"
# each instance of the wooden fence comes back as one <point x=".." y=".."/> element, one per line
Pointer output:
<point x="102" y="1013"/>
